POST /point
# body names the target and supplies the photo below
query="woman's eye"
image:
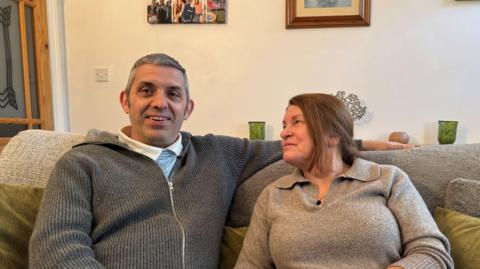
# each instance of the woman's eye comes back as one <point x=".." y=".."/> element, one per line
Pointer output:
<point x="296" y="122"/>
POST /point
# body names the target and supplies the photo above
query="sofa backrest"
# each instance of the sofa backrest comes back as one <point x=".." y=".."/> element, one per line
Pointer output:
<point x="430" y="168"/>
<point x="29" y="157"/>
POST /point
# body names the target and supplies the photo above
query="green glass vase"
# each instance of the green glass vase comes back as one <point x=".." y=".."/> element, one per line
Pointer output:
<point x="447" y="131"/>
<point x="256" y="130"/>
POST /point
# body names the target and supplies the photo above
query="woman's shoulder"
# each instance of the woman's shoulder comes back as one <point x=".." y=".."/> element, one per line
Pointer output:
<point x="366" y="170"/>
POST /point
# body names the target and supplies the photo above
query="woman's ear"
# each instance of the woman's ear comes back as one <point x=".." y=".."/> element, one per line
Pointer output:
<point x="333" y="140"/>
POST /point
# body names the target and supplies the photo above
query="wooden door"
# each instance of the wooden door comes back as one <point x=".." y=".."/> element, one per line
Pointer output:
<point x="25" y="86"/>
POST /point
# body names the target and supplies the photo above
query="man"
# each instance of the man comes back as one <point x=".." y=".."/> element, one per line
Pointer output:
<point x="116" y="202"/>
<point x="162" y="12"/>
<point x="151" y="197"/>
<point x="152" y="11"/>
<point x="168" y="11"/>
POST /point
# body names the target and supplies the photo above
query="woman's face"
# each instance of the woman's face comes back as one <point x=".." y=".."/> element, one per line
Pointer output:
<point x="297" y="143"/>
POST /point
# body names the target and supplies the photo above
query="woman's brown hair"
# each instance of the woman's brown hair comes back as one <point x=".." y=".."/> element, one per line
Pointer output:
<point x="326" y="115"/>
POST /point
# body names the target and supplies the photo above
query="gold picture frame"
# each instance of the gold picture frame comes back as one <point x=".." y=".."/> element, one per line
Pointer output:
<point x="327" y="13"/>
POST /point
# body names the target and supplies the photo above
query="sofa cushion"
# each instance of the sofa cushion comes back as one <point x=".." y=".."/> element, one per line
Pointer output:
<point x="432" y="167"/>
<point x="18" y="210"/>
<point x="463" y="195"/>
<point x="463" y="232"/>
<point x="28" y="158"/>
<point x="232" y="242"/>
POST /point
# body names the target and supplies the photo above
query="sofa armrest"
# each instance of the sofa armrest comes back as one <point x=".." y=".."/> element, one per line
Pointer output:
<point x="28" y="158"/>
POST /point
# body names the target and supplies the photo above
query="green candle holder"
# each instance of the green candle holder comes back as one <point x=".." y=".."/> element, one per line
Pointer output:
<point x="256" y="130"/>
<point x="447" y="131"/>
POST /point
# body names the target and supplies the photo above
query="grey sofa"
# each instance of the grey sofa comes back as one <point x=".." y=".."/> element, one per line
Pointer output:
<point x="430" y="167"/>
<point x="28" y="159"/>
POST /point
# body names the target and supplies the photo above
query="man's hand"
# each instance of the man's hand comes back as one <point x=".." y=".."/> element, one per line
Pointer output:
<point x="384" y="145"/>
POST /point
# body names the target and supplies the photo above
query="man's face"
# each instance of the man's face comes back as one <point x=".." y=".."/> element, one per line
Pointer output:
<point x="157" y="105"/>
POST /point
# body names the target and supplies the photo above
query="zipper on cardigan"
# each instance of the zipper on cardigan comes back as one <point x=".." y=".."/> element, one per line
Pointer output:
<point x="170" y="185"/>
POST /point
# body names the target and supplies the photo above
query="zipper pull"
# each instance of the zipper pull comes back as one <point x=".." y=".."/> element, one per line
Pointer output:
<point x="170" y="184"/>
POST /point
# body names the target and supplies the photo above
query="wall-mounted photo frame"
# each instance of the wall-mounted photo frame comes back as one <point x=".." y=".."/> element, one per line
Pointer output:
<point x="187" y="12"/>
<point x="327" y="13"/>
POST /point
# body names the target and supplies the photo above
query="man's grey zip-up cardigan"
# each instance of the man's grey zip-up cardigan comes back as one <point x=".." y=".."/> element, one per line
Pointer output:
<point x="106" y="206"/>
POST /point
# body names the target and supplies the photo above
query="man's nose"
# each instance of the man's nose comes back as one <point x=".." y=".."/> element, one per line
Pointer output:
<point x="159" y="100"/>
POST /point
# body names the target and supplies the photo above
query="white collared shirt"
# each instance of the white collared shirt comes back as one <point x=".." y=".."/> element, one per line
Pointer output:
<point x="151" y="151"/>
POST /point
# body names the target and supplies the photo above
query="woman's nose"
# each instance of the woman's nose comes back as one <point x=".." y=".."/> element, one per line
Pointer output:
<point x="285" y="133"/>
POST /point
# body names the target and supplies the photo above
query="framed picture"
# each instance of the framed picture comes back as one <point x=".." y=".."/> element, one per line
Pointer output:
<point x="327" y="13"/>
<point x="187" y="11"/>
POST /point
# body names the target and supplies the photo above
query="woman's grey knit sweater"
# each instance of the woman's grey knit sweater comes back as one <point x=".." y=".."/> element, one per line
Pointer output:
<point x="371" y="217"/>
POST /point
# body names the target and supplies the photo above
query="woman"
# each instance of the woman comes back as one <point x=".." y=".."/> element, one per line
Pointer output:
<point x="336" y="210"/>
<point x="198" y="12"/>
<point x="178" y="7"/>
<point x="188" y="12"/>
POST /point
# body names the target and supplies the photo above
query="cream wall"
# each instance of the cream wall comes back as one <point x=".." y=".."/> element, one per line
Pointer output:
<point x="417" y="63"/>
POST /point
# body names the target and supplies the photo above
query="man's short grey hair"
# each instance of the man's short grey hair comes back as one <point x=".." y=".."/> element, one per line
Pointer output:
<point x="159" y="59"/>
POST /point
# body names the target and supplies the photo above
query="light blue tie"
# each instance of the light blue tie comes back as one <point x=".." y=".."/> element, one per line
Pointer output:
<point x="166" y="161"/>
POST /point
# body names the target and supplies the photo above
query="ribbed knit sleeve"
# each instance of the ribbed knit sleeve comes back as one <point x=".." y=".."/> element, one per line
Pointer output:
<point x="425" y="247"/>
<point x="245" y="157"/>
<point x="61" y="237"/>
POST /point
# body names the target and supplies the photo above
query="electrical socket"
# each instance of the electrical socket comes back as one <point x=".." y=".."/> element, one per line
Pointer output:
<point x="102" y="74"/>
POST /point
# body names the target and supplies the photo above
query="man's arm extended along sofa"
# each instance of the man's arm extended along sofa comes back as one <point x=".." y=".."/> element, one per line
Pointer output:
<point x="447" y="177"/>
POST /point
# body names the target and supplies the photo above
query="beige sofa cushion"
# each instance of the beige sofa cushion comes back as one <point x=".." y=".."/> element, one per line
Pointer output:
<point x="28" y="158"/>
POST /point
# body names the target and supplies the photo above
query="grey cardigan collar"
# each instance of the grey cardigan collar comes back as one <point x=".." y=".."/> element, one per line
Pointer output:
<point x="99" y="137"/>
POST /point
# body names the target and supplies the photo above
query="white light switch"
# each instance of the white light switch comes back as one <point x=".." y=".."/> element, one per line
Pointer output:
<point x="102" y="74"/>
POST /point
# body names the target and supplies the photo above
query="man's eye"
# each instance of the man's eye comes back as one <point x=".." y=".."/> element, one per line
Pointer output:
<point x="174" y="94"/>
<point x="145" y="91"/>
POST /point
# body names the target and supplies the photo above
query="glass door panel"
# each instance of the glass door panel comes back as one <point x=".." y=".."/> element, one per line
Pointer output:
<point x="12" y="98"/>
<point x="9" y="130"/>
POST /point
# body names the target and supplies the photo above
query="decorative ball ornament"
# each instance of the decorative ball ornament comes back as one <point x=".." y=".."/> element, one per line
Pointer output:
<point x="400" y="137"/>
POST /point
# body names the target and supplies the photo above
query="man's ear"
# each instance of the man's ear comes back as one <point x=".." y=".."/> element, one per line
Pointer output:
<point x="124" y="102"/>
<point x="189" y="109"/>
